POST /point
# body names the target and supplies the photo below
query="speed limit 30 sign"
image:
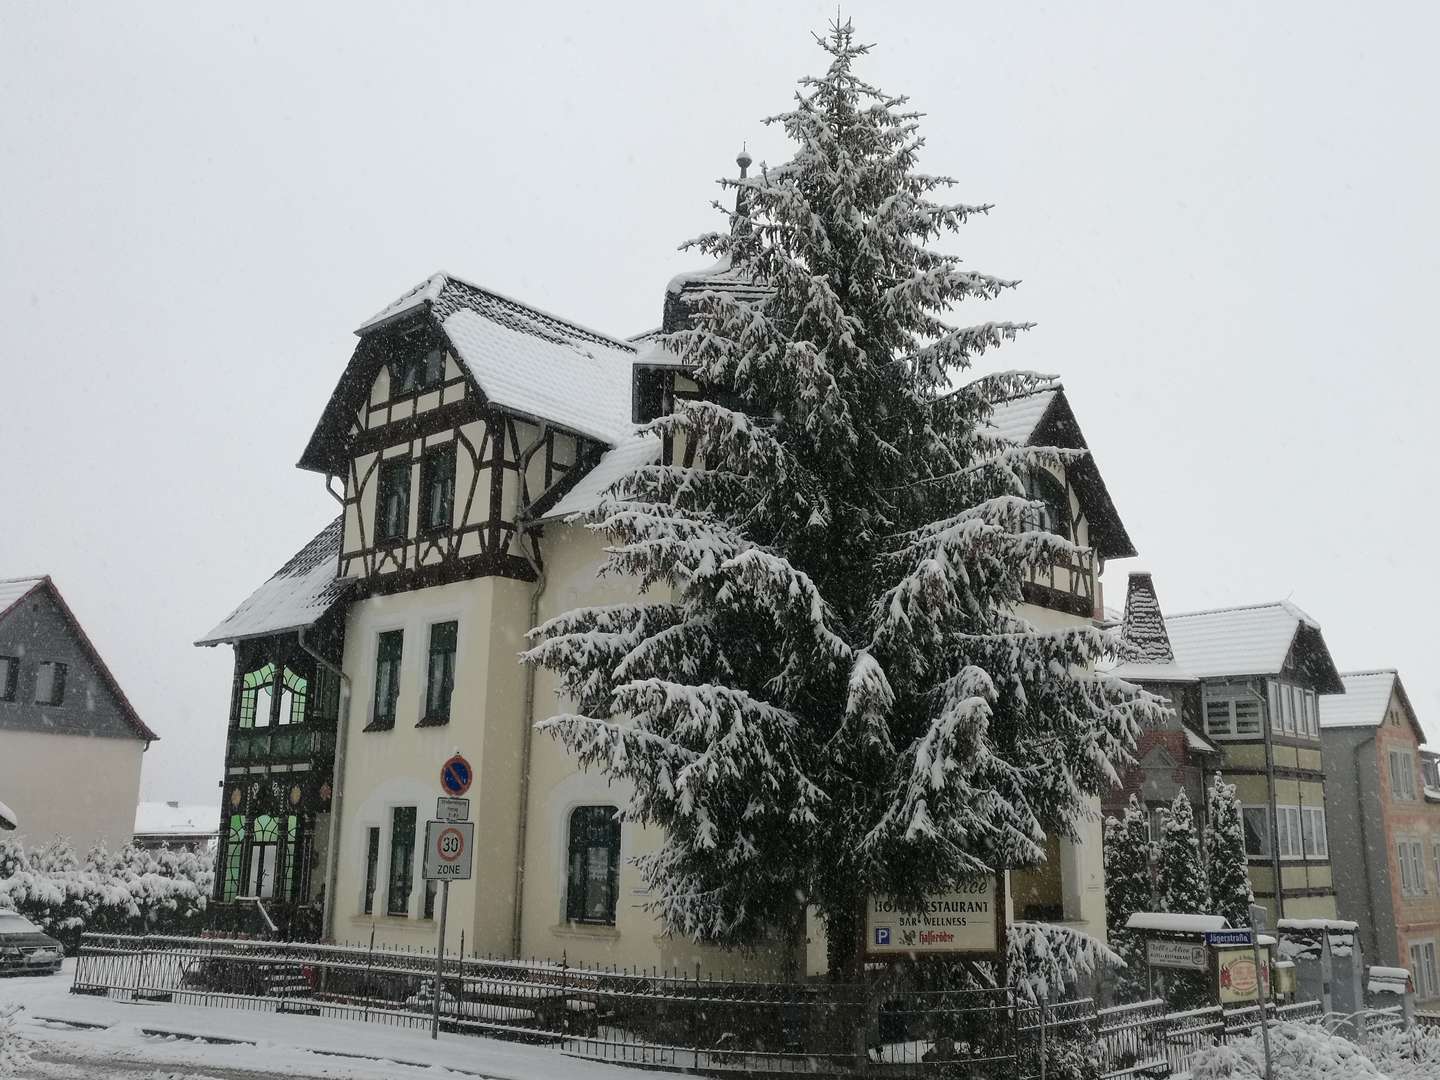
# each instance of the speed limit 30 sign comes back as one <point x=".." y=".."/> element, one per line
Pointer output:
<point x="449" y="850"/>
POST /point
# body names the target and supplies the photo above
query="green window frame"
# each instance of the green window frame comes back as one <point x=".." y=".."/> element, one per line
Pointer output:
<point x="372" y="867"/>
<point x="402" y="860"/>
<point x="440" y="674"/>
<point x="392" y="499"/>
<point x="437" y="489"/>
<point x="593" y="885"/>
<point x="389" y="648"/>
<point x="234" y="854"/>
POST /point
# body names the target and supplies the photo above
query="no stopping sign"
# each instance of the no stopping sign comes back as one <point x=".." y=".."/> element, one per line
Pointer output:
<point x="449" y="850"/>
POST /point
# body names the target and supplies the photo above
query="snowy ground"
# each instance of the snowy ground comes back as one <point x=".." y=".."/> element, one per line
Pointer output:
<point x="145" y="1042"/>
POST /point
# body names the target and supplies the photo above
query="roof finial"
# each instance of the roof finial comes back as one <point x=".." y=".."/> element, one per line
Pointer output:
<point x="743" y="159"/>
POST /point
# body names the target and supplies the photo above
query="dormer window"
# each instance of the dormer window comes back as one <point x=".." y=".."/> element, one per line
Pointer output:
<point x="1052" y="515"/>
<point x="392" y="499"/>
<point x="417" y="372"/>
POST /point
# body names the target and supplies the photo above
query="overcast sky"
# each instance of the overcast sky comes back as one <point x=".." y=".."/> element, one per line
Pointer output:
<point x="1224" y="216"/>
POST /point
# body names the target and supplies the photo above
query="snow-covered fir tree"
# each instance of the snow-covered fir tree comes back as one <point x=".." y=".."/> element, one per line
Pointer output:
<point x="1180" y="877"/>
<point x="827" y="692"/>
<point x="1129" y="887"/>
<point x="1225" y="859"/>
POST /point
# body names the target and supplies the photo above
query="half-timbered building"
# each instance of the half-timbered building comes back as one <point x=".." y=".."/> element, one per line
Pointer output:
<point x="463" y="436"/>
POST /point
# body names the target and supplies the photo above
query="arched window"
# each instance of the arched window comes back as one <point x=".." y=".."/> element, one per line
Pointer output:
<point x="258" y="707"/>
<point x="593" y="884"/>
<point x="1053" y="513"/>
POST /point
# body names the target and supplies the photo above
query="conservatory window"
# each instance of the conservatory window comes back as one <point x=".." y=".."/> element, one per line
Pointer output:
<point x="264" y="847"/>
<point x="234" y="852"/>
<point x="594" y="870"/>
<point x="392" y="499"/>
<point x="9" y="676"/>
<point x="50" y="683"/>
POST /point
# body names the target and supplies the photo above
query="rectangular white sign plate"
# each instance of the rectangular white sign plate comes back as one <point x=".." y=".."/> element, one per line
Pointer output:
<point x="1191" y="955"/>
<point x="448" y="809"/>
<point x="963" y="921"/>
<point x="449" y="850"/>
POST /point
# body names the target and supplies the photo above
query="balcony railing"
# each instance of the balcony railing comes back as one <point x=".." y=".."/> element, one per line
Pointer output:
<point x="285" y="744"/>
<point x="1066" y="585"/>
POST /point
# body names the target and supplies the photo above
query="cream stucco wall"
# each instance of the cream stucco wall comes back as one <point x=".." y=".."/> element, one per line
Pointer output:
<point x="82" y="787"/>
<point x="401" y="767"/>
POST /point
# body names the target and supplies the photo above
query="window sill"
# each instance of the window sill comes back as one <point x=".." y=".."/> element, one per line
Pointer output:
<point x="602" y="931"/>
<point x="376" y="726"/>
<point x="433" y="721"/>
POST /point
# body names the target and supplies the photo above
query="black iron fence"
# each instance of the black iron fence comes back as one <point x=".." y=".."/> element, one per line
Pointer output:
<point x="674" y="1021"/>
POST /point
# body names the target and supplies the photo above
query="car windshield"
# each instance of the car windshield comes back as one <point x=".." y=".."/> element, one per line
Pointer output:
<point x="10" y="923"/>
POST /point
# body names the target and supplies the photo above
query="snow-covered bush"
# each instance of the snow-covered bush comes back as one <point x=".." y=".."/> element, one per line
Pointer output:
<point x="1300" y="1051"/>
<point x="130" y="891"/>
<point x="1405" y="1055"/>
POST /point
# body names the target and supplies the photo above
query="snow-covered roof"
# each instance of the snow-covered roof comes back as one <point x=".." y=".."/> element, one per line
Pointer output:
<point x="1387" y="980"/>
<point x="1176" y="922"/>
<point x="1251" y="640"/>
<point x="580" y="384"/>
<point x="424" y="293"/>
<point x="613" y="464"/>
<point x="298" y="594"/>
<point x="12" y="590"/>
<point x="176" y="819"/>
<point x="1195" y="741"/>
<point x="1366" y="697"/>
<point x="1017" y="418"/>
<point x="1143" y="644"/>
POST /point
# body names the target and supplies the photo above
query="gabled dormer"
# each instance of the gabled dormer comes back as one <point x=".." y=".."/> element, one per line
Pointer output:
<point x="460" y="411"/>
<point x="1074" y="501"/>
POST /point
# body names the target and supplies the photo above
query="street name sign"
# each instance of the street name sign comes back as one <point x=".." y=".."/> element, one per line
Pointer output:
<point x="1191" y="955"/>
<point x="1227" y="937"/>
<point x="447" y="809"/>
<point x="963" y="921"/>
<point x="455" y="776"/>
<point x="449" y="850"/>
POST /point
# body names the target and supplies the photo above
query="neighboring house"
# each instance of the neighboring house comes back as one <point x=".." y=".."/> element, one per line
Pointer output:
<point x="1246" y="682"/>
<point x="465" y="431"/>
<point x="1174" y="757"/>
<point x="178" y="826"/>
<point x="1383" y="800"/>
<point x="70" y="742"/>
<point x="1262" y="669"/>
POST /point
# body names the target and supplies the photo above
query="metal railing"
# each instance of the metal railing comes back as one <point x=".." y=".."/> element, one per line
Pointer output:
<point x="673" y="1021"/>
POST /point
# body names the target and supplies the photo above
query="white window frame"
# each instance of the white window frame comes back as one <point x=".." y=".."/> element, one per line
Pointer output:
<point x="1315" y="816"/>
<point x="1237" y="698"/>
<point x="1411" y="853"/>
<point x="1290" y="841"/>
<point x="1312" y="713"/>
<point x="1402" y="780"/>
<point x="1423" y="970"/>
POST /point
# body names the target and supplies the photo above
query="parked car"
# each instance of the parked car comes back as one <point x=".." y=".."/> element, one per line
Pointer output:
<point x="23" y="948"/>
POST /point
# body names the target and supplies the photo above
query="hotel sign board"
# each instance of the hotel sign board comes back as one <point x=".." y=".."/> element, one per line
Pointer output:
<point x="963" y="921"/>
<point x="1191" y="955"/>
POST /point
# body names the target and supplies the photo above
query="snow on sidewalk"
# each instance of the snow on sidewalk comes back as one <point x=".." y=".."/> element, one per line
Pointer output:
<point x="283" y="1044"/>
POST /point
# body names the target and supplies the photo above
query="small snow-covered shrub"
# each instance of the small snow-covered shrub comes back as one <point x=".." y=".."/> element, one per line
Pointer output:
<point x="1406" y="1055"/>
<point x="1301" y="1052"/>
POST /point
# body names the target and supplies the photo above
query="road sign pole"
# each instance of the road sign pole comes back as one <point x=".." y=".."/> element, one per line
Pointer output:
<point x="1257" y="923"/>
<point x="440" y="959"/>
